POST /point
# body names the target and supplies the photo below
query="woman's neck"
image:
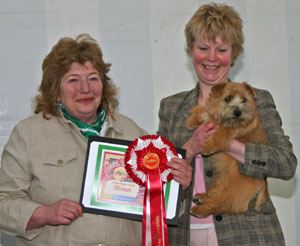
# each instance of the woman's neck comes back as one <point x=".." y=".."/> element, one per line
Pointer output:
<point x="204" y="90"/>
<point x="203" y="93"/>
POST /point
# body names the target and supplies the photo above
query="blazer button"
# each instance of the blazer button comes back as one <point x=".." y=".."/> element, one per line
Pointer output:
<point x="219" y="217"/>
<point x="254" y="162"/>
<point x="209" y="173"/>
<point x="60" y="161"/>
<point x="263" y="163"/>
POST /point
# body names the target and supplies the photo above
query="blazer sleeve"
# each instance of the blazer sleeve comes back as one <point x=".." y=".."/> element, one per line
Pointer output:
<point x="163" y="128"/>
<point x="16" y="207"/>
<point x="277" y="159"/>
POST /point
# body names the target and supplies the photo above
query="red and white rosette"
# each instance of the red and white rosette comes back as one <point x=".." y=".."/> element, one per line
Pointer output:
<point x="145" y="163"/>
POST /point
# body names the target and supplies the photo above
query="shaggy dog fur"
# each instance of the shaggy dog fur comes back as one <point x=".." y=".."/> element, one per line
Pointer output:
<point x="231" y="106"/>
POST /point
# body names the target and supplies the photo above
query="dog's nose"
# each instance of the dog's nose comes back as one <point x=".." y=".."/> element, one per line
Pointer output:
<point x="237" y="113"/>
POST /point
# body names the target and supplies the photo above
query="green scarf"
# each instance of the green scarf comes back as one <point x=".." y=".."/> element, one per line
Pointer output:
<point x="85" y="128"/>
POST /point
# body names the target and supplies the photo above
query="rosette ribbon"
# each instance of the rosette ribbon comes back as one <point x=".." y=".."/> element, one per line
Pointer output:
<point x="145" y="163"/>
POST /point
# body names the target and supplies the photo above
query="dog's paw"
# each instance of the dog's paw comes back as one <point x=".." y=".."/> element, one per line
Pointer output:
<point x="201" y="211"/>
<point x="207" y="149"/>
<point x="197" y="200"/>
<point x="193" y="212"/>
<point x="196" y="211"/>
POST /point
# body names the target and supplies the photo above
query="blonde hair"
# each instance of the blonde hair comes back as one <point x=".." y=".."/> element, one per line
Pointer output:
<point x="82" y="49"/>
<point x="212" y="20"/>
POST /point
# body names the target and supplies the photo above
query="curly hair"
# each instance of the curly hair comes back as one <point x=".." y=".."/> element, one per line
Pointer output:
<point x="212" y="20"/>
<point x="81" y="49"/>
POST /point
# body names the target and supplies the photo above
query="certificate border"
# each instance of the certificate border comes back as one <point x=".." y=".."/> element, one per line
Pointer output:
<point x="104" y="209"/>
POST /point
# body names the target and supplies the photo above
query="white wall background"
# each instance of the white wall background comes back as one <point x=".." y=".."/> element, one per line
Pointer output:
<point x="144" y="41"/>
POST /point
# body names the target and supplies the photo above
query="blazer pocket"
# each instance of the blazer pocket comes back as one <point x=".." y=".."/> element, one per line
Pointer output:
<point x="59" y="158"/>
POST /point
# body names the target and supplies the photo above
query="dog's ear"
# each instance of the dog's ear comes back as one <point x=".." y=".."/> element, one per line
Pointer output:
<point x="218" y="88"/>
<point x="251" y="89"/>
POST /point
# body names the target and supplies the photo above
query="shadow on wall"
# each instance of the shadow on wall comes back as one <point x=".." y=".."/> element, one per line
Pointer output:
<point x="238" y="66"/>
<point x="281" y="188"/>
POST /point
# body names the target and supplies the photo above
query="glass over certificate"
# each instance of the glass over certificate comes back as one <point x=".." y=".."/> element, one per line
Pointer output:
<point x="108" y="190"/>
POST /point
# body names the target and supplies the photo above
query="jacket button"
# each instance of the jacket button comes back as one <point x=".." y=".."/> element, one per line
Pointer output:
<point x="263" y="163"/>
<point x="60" y="161"/>
<point x="209" y="173"/>
<point x="254" y="162"/>
<point x="219" y="217"/>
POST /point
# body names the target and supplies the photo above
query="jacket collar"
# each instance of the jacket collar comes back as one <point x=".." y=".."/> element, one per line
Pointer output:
<point x="191" y="100"/>
<point x="114" y="125"/>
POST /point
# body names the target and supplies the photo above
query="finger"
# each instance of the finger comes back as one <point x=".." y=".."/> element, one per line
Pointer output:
<point x="209" y="125"/>
<point x="70" y="215"/>
<point x="182" y="171"/>
<point x="184" y="175"/>
<point x="76" y="210"/>
<point x="73" y="207"/>
<point x="64" y="220"/>
<point x="180" y="167"/>
<point x="185" y="183"/>
<point x="59" y="219"/>
<point x="177" y="161"/>
<point x="174" y="166"/>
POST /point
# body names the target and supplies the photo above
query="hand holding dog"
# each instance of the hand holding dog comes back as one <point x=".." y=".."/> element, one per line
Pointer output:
<point x="63" y="212"/>
<point x="181" y="169"/>
<point x="194" y="145"/>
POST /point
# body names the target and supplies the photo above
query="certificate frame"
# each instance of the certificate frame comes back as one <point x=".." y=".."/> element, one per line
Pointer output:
<point x="108" y="190"/>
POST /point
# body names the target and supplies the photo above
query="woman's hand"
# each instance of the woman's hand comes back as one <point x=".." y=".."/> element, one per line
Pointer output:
<point x="237" y="151"/>
<point x="181" y="171"/>
<point x="63" y="212"/>
<point x="194" y="144"/>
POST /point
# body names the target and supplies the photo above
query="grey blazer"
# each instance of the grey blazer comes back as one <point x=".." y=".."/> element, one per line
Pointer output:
<point x="275" y="160"/>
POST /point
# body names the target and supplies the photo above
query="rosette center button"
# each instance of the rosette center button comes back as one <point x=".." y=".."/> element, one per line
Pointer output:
<point x="151" y="160"/>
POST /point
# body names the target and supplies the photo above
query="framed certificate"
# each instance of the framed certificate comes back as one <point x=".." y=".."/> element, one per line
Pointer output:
<point x="108" y="190"/>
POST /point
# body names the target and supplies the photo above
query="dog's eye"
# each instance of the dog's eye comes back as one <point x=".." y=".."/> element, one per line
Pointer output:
<point x="227" y="99"/>
<point x="244" y="100"/>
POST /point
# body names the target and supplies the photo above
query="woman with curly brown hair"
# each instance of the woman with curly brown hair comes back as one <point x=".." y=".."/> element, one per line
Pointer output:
<point x="43" y="162"/>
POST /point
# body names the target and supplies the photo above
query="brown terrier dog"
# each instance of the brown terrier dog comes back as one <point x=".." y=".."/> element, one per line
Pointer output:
<point x="231" y="106"/>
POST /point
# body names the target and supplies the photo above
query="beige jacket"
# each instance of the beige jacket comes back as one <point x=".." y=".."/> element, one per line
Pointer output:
<point x="42" y="163"/>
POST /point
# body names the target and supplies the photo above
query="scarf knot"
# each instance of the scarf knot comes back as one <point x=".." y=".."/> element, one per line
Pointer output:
<point x="86" y="129"/>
